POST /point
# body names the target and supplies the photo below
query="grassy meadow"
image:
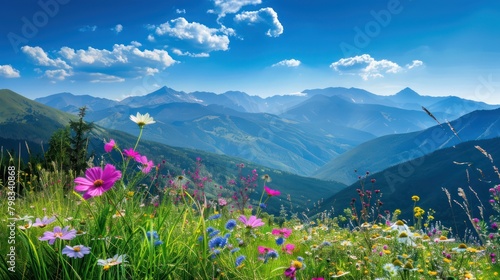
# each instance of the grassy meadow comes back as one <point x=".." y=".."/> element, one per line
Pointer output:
<point x="133" y="219"/>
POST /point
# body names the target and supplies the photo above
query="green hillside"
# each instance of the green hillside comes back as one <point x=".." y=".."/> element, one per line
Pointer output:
<point x="462" y="166"/>
<point x="24" y="119"/>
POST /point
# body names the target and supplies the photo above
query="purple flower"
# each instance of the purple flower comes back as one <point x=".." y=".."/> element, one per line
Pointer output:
<point x="251" y="222"/>
<point x="64" y="234"/>
<point x="97" y="181"/>
<point x="77" y="251"/>
<point x="494" y="226"/>
<point x="43" y="222"/>
<point x="109" y="146"/>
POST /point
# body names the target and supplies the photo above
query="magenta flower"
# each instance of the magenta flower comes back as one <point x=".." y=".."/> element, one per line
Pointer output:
<point x="251" y="222"/>
<point x="288" y="248"/>
<point x="130" y="153"/>
<point x="97" y="181"/>
<point x="146" y="164"/>
<point x="109" y="146"/>
<point x="77" y="251"/>
<point x="43" y="222"/>
<point x="63" y="234"/>
<point x="264" y="250"/>
<point x="286" y="232"/>
<point x="271" y="192"/>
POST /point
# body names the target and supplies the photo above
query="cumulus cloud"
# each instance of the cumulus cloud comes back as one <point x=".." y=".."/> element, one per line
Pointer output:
<point x="118" y="28"/>
<point x="265" y="15"/>
<point x="288" y="63"/>
<point x="88" y="28"/>
<point x="414" y="63"/>
<point x="7" y="71"/>
<point x="114" y="65"/>
<point x="366" y="66"/>
<point x="201" y="36"/>
<point x="59" y="74"/>
<point x="224" y="7"/>
<point x="41" y="58"/>
<point x="181" y="53"/>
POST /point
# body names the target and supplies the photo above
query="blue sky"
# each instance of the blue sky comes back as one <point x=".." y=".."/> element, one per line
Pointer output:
<point x="116" y="49"/>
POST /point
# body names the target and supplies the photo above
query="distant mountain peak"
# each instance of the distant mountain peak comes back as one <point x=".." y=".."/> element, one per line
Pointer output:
<point x="407" y="92"/>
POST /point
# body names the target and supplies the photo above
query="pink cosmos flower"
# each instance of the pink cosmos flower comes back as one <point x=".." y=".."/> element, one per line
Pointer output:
<point x="130" y="153"/>
<point x="251" y="222"/>
<point x="271" y="192"/>
<point x="97" y="181"/>
<point x="43" y="222"/>
<point x="64" y="234"/>
<point x="109" y="146"/>
<point x="146" y="164"/>
<point x="284" y="231"/>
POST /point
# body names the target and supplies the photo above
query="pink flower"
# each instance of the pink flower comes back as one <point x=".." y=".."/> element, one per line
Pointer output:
<point x="130" y="153"/>
<point x="288" y="248"/>
<point x="251" y="222"/>
<point x="146" y="164"/>
<point x="109" y="146"/>
<point x="271" y="192"/>
<point x="284" y="231"/>
<point x="97" y="181"/>
<point x="63" y="234"/>
<point x="264" y="250"/>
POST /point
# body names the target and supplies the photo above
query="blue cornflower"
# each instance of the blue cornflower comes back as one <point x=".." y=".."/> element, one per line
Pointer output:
<point x="239" y="260"/>
<point x="200" y="239"/>
<point x="213" y="217"/>
<point x="235" y="250"/>
<point x="210" y="229"/>
<point x="325" y="243"/>
<point x="152" y="234"/>
<point x="158" y="242"/>
<point x="300" y="259"/>
<point x="263" y="206"/>
<point x="217" y="241"/>
<point x="213" y="233"/>
<point x="227" y="235"/>
<point x="280" y="241"/>
<point x="272" y="255"/>
<point x="230" y="224"/>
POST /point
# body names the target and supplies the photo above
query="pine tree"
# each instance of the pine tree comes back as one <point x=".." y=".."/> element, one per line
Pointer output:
<point x="79" y="142"/>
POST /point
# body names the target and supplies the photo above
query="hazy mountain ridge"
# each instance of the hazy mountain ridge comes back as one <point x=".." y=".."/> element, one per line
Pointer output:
<point x="481" y="124"/>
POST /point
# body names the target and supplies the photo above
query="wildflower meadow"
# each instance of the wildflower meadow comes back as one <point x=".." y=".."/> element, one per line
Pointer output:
<point x="130" y="219"/>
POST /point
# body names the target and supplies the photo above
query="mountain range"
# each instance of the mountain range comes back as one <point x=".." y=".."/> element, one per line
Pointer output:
<point x="331" y="133"/>
<point x="294" y="133"/>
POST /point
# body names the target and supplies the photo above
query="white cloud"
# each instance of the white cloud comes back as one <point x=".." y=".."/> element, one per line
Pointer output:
<point x="365" y="66"/>
<point x="88" y="28"/>
<point x="59" y="74"/>
<point x="122" y="61"/>
<point x="151" y="38"/>
<point x="232" y="6"/>
<point x="414" y="63"/>
<point x="41" y="58"/>
<point x="288" y="63"/>
<point x="264" y="15"/>
<point x="7" y="71"/>
<point x="105" y="78"/>
<point x="203" y="37"/>
<point x="181" y="53"/>
<point x="180" y="11"/>
<point x="118" y="28"/>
